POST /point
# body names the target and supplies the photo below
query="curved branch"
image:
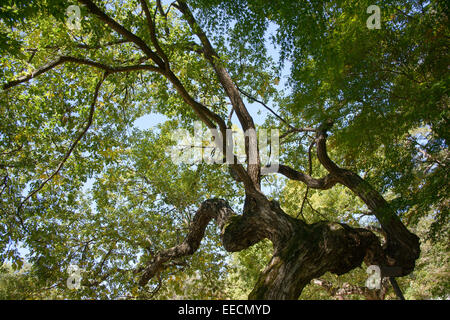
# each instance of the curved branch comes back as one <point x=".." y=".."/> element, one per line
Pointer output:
<point x="291" y="128"/>
<point x="123" y="31"/>
<point x="74" y="144"/>
<point x="211" y="209"/>
<point x="402" y="248"/>
<point x="63" y="59"/>
<point x="246" y="120"/>
<point x="34" y="74"/>
<point x="209" y="117"/>
<point x="151" y="27"/>
<point x="224" y="216"/>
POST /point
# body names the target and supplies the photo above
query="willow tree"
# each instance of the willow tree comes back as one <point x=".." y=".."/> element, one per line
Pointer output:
<point x="70" y="94"/>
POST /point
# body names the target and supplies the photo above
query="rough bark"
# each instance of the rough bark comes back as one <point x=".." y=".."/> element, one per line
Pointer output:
<point x="312" y="251"/>
<point x="402" y="248"/>
<point x="302" y="251"/>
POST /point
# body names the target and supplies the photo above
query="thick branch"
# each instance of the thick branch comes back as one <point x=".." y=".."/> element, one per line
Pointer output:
<point x="63" y="59"/>
<point x="206" y="115"/>
<point x="232" y="92"/>
<point x="221" y="212"/>
<point x="402" y="247"/>
<point x="123" y="31"/>
<point x="324" y="183"/>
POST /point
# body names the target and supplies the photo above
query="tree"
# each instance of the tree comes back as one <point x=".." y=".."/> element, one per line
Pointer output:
<point x="21" y="285"/>
<point x="70" y="97"/>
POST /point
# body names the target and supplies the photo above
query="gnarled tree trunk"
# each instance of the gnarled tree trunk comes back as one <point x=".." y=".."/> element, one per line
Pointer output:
<point x="302" y="251"/>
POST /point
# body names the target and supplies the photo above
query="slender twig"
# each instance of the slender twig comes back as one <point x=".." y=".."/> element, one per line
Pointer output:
<point x="264" y="105"/>
<point x="405" y="14"/>
<point x="292" y="130"/>
<point x="74" y="144"/>
<point x="315" y="210"/>
<point x="324" y="183"/>
<point x="396" y="288"/>
<point x="307" y="187"/>
<point x="158" y="287"/>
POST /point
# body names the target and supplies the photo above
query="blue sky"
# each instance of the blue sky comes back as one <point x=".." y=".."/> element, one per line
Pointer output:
<point x="258" y="112"/>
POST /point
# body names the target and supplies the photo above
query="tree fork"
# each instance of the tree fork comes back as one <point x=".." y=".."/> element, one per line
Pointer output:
<point x="302" y="252"/>
<point x="402" y="248"/>
<point x="236" y="235"/>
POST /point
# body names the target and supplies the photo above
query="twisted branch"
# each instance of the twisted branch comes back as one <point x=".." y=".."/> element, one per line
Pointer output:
<point x="74" y="143"/>
<point x="402" y="248"/>
<point x="216" y="209"/>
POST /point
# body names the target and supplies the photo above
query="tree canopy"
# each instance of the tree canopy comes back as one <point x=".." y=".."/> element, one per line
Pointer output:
<point x="362" y="172"/>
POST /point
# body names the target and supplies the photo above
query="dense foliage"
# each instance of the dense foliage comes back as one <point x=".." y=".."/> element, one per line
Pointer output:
<point x="82" y="184"/>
